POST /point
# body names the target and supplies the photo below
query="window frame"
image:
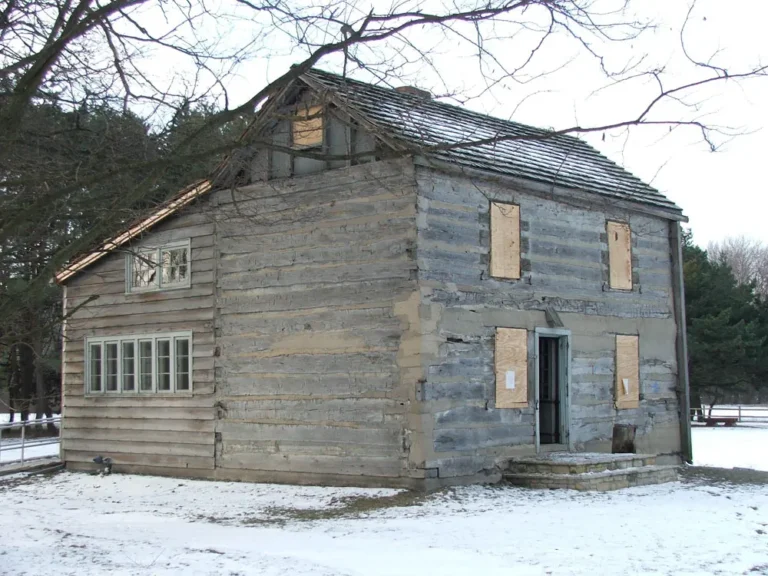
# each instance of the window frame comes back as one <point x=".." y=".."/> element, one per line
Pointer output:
<point x="101" y="342"/>
<point x="157" y="284"/>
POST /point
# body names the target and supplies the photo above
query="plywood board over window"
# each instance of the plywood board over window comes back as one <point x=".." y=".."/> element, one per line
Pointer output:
<point x="511" y="368"/>
<point x="627" y="372"/>
<point x="505" y="241"/>
<point x="308" y="127"/>
<point x="620" y="255"/>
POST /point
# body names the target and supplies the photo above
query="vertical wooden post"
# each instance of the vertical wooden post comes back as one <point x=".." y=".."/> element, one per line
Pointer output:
<point x="683" y="388"/>
<point x="23" y="428"/>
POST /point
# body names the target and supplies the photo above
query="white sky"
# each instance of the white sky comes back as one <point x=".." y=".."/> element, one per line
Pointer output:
<point x="722" y="193"/>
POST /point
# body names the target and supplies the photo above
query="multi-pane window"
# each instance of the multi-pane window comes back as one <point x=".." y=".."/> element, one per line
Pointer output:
<point x="159" y="267"/>
<point x="129" y="366"/>
<point x="94" y="367"/>
<point x="159" y="363"/>
<point x="110" y="365"/>
<point x="145" y="365"/>
<point x="182" y="364"/>
<point x="163" y="365"/>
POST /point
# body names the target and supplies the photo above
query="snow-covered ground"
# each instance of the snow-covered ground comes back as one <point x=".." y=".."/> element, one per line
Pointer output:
<point x="139" y="525"/>
<point x="90" y="525"/>
<point x="741" y="446"/>
<point x="11" y="450"/>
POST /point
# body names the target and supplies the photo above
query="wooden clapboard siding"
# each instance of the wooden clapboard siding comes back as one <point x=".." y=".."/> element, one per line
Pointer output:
<point x="175" y="431"/>
<point x="564" y="258"/>
<point x="311" y="276"/>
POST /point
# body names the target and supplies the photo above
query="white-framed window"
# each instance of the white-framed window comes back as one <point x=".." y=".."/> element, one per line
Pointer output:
<point x="159" y="267"/>
<point x="139" y="364"/>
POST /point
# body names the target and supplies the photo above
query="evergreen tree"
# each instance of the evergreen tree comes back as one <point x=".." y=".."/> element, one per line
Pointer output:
<point x="727" y="328"/>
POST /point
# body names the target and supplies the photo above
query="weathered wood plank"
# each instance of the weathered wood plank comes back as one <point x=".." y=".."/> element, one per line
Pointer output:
<point x="109" y="447"/>
<point x="359" y="466"/>
<point x="153" y="412"/>
<point x="94" y="421"/>
<point x="155" y="460"/>
<point x="145" y="436"/>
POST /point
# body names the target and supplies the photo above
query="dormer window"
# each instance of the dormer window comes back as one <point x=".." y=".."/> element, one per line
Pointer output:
<point x="159" y="268"/>
<point x="307" y="127"/>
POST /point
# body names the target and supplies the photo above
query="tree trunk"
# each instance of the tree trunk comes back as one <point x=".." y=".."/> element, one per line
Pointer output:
<point x="715" y="400"/>
<point x="13" y="382"/>
<point x="27" y="371"/>
<point x="41" y="386"/>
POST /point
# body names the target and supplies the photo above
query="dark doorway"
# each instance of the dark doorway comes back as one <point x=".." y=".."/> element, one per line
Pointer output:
<point x="550" y="390"/>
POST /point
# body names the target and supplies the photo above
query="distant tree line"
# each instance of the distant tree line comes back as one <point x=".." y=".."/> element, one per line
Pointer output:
<point x="727" y="321"/>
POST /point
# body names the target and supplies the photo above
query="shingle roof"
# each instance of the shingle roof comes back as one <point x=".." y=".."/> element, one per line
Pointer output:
<point x="441" y="131"/>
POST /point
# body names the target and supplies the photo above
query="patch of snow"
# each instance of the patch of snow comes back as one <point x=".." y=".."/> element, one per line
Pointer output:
<point x="132" y="525"/>
<point x="581" y="457"/>
<point x="740" y="446"/>
<point x="11" y="450"/>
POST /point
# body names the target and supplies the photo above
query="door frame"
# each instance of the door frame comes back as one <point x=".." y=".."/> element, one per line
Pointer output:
<point x="564" y="368"/>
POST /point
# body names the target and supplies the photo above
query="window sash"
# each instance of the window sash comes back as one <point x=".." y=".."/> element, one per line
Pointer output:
<point x="128" y="366"/>
<point x="95" y="365"/>
<point x="111" y="361"/>
<point x="163" y="365"/>
<point x="172" y="267"/>
<point x="139" y="364"/>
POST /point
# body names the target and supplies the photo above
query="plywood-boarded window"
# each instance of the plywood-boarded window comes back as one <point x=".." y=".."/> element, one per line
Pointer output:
<point x="505" y="241"/>
<point x="627" y="372"/>
<point x="511" y="368"/>
<point x="620" y="255"/>
<point x="308" y="127"/>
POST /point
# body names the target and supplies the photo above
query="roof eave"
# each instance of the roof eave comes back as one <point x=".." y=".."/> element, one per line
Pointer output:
<point x="181" y="200"/>
<point x="548" y="190"/>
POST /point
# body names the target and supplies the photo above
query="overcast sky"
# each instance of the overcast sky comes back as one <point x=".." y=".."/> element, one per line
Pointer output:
<point x="722" y="192"/>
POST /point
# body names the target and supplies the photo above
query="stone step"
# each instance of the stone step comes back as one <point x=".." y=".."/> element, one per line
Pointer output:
<point x="575" y="463"/>
<point x="602" y="481"/>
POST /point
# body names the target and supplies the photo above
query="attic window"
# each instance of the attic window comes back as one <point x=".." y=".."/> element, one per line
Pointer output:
<point x="159" y="268"/>
<point x="308" y="127"/>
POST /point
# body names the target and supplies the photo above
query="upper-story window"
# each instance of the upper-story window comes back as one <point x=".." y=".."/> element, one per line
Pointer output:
<point x="308" y="128"/>
<point x="505" y="241"/>
<point x="159" y="268"/>
<point x="619" y="255"/>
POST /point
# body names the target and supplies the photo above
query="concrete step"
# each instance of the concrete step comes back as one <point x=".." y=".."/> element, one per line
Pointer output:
<point x="604" y="480"/>
<point x="577" y="463"/>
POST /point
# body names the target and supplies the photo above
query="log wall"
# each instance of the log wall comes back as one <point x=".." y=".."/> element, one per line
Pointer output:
<point x="564" y="261"/>
<point x="316" y="322"/>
